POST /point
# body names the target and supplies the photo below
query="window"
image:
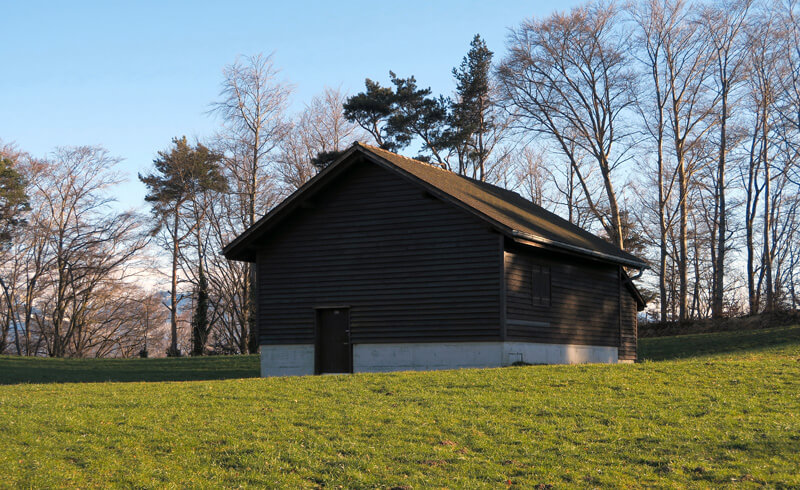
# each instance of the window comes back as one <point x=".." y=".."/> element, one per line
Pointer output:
<point x="540" y="285"/>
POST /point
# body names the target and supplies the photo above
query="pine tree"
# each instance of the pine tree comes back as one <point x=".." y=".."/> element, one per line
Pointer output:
<point x="181" y="174"/>
<point x="395" y="116"/>
<point x="471" y="118"/>
<point x="13" y="200"/>
<point x="371" y="110"/>
<point x="418" y="115"/>
<point x="200" y="325"/>
<point x="467" y="127"/>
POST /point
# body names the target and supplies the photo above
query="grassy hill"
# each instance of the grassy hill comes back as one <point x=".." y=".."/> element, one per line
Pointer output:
<point x="707" y="410"/>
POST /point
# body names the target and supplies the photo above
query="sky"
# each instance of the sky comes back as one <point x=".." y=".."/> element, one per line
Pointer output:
<point x="130" y="76"/>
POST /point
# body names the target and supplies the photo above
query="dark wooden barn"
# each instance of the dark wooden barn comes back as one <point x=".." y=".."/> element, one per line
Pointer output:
<point x="384" y="263"/>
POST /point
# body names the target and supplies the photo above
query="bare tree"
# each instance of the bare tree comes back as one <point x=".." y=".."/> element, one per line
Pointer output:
<point x="568" y="77"/>
<point x="86" y="243"/>
<point x="725" y="24"/>
<point x="766" y="68"/>
<point x="653" y="22"/>
<point x="118" y="322"/>
<point x="252" y="106"/>
<point x="790" y="83"/>
<point x="790" y="144"/>
<point x="228" y="280"/>
<point x="320" y="129"/>
<point x="687" y="65"/>
<point x="532" y="174"/>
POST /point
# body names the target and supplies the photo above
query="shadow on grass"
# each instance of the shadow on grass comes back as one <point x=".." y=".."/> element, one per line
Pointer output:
<point x="16" y="370"/>
<point x="721" y="344"/>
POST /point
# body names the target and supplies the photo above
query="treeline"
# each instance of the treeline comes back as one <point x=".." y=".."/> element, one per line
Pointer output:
<point x="670" y="128"/>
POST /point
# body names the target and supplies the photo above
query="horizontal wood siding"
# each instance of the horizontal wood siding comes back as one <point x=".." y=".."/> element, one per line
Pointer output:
<point x="628" y="331"/>
<point x="584" y="305"/>
<point x="410" y="267"/>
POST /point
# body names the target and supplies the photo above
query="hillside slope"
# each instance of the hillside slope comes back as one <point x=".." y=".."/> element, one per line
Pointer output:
<point x="718" y="418"/>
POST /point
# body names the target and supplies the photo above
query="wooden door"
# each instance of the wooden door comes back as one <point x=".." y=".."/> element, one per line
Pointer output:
<point x="334" y="354"/>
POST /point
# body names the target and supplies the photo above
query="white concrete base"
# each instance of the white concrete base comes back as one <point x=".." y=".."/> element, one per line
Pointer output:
<point x="442" y="355"/>
<point x="287" y="360"/>
<point x="532" y="353"/>
<point x="298" y="360"/>
<point x="425" y="356"/>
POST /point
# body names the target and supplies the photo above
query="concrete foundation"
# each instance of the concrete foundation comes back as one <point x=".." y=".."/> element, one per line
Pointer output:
<point x="441" y="355"/>
<point x="533" y="353"/>
<point x="298" y="360"/>
<point x="287" y="360"/>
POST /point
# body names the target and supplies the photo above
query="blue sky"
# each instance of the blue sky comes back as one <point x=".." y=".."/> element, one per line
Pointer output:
<point x="131" y="75"/>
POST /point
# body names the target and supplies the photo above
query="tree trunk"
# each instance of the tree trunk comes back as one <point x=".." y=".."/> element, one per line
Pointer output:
<point x="58" y="348"/>
<point x="767" y="254"/>
<point x="613" y="207"/>
<point x="682" y="240"/>
<point x="662" y="273"/>
<point x="719" y="266"/>
<point x="173" y="294"/>
<point x="252" y="334"/>
<point x="752" y="196"/>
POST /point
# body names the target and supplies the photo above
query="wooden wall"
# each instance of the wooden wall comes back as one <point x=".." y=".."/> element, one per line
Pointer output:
<point x="411" y="268"/>
<point x="585" y="300"/>
<point x="628" y="331"/>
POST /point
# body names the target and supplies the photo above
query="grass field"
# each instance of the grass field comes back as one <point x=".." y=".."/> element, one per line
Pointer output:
<point x="706" y="411"/>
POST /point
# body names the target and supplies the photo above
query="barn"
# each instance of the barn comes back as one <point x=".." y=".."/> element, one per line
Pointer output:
<point x="384" y="263"/>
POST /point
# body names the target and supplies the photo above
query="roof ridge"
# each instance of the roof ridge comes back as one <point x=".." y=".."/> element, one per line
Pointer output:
<point x="381" y="150"/>
<point x="437" y="167"/>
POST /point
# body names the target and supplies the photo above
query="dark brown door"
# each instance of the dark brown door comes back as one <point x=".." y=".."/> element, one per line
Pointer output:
<point x="334" y="352"/>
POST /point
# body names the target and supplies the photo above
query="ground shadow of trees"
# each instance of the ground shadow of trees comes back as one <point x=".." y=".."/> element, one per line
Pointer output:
<point x="719" y="344"/>
<point x="16" y="370"/>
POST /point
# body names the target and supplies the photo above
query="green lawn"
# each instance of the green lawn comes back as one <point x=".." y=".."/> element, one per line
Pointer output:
<point x="727" y="414"/>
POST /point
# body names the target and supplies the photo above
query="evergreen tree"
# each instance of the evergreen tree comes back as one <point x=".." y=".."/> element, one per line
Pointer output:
<point x="371" y="110"/>
<point x="417" y="114"/>
<point x="395" y="116"/>
<point x="325" y="158"/>
<point x="467" y="127"/>
<point x="200" y="325"/>
<point x="13" y="200"/>
<point x="181" y="174"/>
<point x="471" y="119"/>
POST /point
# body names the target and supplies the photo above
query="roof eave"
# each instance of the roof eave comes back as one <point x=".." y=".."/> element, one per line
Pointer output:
<point x="520" y="235"/>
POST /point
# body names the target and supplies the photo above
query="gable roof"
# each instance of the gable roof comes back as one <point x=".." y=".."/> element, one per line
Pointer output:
<point x="507" y="211"/>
